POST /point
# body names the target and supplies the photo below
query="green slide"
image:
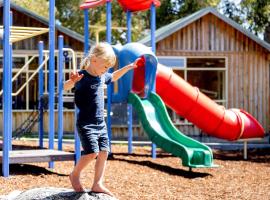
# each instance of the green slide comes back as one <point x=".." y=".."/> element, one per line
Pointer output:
<point x="161" y="131"/>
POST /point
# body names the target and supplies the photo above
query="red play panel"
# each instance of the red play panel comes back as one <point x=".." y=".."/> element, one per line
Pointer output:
<point x="138" y="5"/>
<point x="93" y="3"/>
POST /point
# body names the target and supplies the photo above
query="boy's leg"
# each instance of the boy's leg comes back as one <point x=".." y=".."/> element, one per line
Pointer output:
<point x="75" y="174"/>
<point x="99" y="173"/>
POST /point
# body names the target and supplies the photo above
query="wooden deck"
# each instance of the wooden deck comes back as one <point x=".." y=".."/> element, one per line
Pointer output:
<point x="40" y="155"/>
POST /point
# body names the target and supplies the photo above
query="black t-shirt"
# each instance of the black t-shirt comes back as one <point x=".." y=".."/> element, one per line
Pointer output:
<point x="89" y="97"/>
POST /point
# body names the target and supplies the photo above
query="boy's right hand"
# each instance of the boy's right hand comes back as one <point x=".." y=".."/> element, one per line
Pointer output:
<point x="75" y="77"/>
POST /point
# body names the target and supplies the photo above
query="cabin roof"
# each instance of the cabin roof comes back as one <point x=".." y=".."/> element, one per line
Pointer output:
<point x="171" y="28"/>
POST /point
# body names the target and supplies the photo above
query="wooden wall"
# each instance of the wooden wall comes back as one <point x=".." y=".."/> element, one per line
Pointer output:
<point x="118" y="131"/>
<point x="248" y="63"/>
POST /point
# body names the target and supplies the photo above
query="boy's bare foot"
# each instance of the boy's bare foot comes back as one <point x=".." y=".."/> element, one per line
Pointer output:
<point x="99" y="188"/>
<point x="75" y="182"/>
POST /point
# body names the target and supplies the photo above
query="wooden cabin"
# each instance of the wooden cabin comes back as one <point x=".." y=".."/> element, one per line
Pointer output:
<point x="225" y="61"/>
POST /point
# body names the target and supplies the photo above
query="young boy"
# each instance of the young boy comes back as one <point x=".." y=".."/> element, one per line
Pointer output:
<point x="89" y="99"/>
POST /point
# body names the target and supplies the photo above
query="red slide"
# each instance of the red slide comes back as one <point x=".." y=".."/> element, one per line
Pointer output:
<point x="215" y="120"/>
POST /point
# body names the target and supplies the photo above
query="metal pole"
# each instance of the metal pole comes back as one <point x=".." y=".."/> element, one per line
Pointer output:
<point x="10" y="72"/>
<point x="77" y="140"/>
<point x="108" y="22"/>
<point x="60" y="91"/>
<point x="40" y="94"/>
<point x="109" y="88"/>
<point x="153" y="44"/>
<point x="10" y="102"/>
<point x="129" y="106"/>
<point x="51" y="76"/>
<point x="86" y="31"/>
<point x="7" y="109"/>
<point x="129" y="27"/>
<point x="86" y="49"/>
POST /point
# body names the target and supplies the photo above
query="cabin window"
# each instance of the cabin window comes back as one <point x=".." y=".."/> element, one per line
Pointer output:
<point x="206" y="73"/>
<point x="209" y="75"/>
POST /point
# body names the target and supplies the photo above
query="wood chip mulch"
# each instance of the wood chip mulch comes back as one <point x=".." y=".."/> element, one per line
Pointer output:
<point x="138" y="176"/>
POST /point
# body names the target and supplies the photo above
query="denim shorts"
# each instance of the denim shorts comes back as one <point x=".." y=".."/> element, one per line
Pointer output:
<point x="94" y="137"/>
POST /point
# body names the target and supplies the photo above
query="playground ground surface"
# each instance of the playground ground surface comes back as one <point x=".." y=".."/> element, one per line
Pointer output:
<point x="138" y="176"/>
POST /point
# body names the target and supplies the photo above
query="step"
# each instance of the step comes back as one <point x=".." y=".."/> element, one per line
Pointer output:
<point x="39" y="155"/>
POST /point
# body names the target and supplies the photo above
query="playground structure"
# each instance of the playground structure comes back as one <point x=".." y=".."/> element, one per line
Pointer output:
<point x="144" y="83"/>
<point x="231" y="124"/>
<point x="9" y="36"/>
<point x="13" y="34"/>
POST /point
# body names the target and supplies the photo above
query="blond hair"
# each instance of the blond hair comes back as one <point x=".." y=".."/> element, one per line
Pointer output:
<point x="101" y="50"/>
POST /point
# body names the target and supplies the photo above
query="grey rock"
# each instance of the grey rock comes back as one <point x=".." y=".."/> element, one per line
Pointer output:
<point x="51" y="193"/>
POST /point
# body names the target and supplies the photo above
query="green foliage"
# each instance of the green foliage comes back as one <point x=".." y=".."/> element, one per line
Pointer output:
<point x="231" y="10"/>
<point x="257" y="14"/>
<point x="69" y="14"/>
<point x="72" y="17"/>
<point x="172" y="10"/>
<point x="41" y="7"/>
<point x="253" y="14"/>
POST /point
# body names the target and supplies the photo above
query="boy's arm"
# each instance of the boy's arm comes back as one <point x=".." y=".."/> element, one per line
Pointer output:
<point x="69" y="84"/>
<point x="74" y="77"/>
<point x="120" y="72"/>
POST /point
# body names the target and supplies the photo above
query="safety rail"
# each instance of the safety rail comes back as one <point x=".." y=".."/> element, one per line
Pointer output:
<point x="36" y="71"/>
<point x="31" y="77"/>
<point x="74" y="63"/>
<point x="21" y="70"/>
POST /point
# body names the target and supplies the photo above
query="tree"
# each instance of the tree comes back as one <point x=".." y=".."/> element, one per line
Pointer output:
<point x="231" y="10"/>
<point x="257" y="16"/>
<point x="172" y="10"/>
<point x="253" y="14"/>
<point x="72" y="17"/>
<point x="41" y="7"/>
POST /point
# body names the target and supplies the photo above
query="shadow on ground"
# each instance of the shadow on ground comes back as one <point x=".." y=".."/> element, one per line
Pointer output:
<point x="161" y="154"/>
<point x="27" y="169"/>
<point x="163" y="168"/>
<point x="254" y="155"/>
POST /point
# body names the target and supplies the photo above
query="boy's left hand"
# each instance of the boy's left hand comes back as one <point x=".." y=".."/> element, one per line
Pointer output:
<point x="134" y="64"/>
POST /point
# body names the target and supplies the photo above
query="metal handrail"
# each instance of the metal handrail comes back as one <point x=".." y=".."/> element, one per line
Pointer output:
<point x="31" y="77"/>
<point x="36" y="71"/>
<point x="73" y="56"/>
<point x="20" y="71"/>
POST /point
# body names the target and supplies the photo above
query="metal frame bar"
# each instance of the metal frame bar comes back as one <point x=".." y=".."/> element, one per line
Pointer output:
<point x="60" y="91"/>
<point x="40" y="95"/>
<point x="153" y="44"/>
<point x="109" y="87"/>
<point x="86" y="31"/>
<point x="19" y="72"/>
<point x="31" y="77"/>
<point x="74" y="63"/>
<point x="19" y="33"/>
<point x="7" y="107"/>
<point x="51" y="76"/>
<point x="129" y="106"/>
